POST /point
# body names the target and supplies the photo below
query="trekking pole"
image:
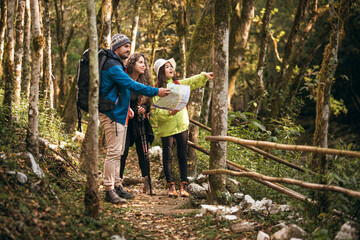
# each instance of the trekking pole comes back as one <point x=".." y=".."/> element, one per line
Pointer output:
<point x="145" y="148"/>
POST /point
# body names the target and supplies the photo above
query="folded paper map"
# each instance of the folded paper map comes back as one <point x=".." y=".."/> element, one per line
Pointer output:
<point x="176" y="100"/>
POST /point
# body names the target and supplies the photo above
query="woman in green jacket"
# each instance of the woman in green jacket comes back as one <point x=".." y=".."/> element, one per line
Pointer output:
<point x="173" y="125"/>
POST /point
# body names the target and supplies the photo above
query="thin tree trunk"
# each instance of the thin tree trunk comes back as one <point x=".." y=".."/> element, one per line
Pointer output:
<point x="239" y="32"/>
<point x="259" y="83"/>
<point x="105" y="36"/>
<point x="326" y="78"/>
<point x="289" y="48"/>
<point x="181" y="31"/>
<point x="9" y="62"/>
<point x="199" y="59"/>
<point x="84" y="154"/>
<point x="48" y="81"/>
<point x="117" y="20"/>
<point x="135" y="24"/>
<point x="60" y="32"/>
<point x="3" y="19"/>
<point x="19" y="46"/>
<point x="296" y="83"/>
<point x="63" y="41"/>
<point x="32" y="138"/>
<point x="219" y="102"/>
<point x="207" y="105"/>
<point x="25" y="83"/>
<point x="91" y="198"/>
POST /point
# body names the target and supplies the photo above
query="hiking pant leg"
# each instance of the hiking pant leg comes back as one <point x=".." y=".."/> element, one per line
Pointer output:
<point x="140" y="153"/>
<point x="167" y="143"/>
<point x="125" y="154"/>
<point x="182" y="142"/>
<point x="115" y="135"/>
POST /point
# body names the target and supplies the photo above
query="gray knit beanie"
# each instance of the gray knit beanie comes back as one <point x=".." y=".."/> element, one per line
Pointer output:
<point x="118" y="40"/>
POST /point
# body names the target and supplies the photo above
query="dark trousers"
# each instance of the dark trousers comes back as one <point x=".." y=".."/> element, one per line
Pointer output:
<point x="140" y="153"/>
<point x="181" y="142"/>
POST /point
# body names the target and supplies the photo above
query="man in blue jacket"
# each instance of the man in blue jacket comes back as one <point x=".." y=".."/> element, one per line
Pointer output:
<point x="116" y="86"/>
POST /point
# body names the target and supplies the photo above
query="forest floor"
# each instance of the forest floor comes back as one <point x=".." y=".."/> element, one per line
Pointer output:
<point x="53" y="207"/>
<point x="161" y="217"/>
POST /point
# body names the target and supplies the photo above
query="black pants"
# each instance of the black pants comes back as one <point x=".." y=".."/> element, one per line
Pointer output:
<point x="140" y="152"/>
<point x="181" y="141"/>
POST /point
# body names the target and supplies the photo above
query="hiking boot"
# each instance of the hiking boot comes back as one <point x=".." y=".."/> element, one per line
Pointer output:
<point x="183" y="189"/>
<point x="171" y="190"/>
<point x="146" y="187"/>
<point x="112" y="197"/>
<point x="122" y="193"/>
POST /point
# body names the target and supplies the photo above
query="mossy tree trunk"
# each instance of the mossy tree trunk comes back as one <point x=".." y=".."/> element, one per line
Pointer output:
<point x="294" y="59"/>
<point x="48" y="84"/>
<point x="240" y="24"/>
<point x="91" y="198"/>
<point x="19" y="49"/>
<point x="219" y="101"/>
<point x="9" y="62"/>
<point x="25" y="82"/>
<point x="105" y="36"/>
<point x="32" y="138"/>
<point x="85" y="146"/>
<point x="277" y="88"/>
<point x="181" y="31"/>
<point x="3" y="18"/>
<point x="299" y="78"/>
<point x="63" y="42"/>
<point x="259" y="83"/>
<point x="199" y="59"/>
<point x="135" y="24"/>
<point x="329" y="64"/>
<point x="320" y="162"/>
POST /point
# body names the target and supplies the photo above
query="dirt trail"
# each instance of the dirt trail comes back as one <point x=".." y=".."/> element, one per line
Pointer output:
<point x="157" y="216"/>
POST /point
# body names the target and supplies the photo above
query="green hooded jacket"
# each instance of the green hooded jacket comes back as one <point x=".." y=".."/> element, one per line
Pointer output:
<point x="168" y="124"/>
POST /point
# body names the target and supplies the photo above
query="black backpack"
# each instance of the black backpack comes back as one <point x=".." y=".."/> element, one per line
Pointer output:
<point x="83" y="82"/>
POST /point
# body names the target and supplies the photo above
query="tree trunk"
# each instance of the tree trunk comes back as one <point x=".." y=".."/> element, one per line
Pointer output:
<point x="63" y="41"/>
<point x="239" y="33"/>
<point x="84" y="154"/>
<point x="326" y="77"/>
<point x="296" y="83"/>
<point x="294" y="60"/>
<point x="259" y="84"/>
<point x="25" y="83"/>
<point x="135" y="24"/>
<point x="219" y="102"/>
<point x="48" y="81"/>
<point x="181" y="31"/>
<point x="199" y="59"/>
<point x="19" y="46"/>
<point x="9" y="62"/>
<point x="105" y="36"/>
<point x="91" y="199"/>
<point x="3" y="18"/>
<point x="277" y="89"/>
<point x="32" y="138"/>
<point x="207" y="105"/>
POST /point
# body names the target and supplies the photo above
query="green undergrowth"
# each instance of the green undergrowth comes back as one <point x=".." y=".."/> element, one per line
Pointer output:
<point x="343" y="171"/>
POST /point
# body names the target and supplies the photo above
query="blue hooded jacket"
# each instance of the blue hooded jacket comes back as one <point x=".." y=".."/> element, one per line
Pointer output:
<point x="114" y="80"/>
